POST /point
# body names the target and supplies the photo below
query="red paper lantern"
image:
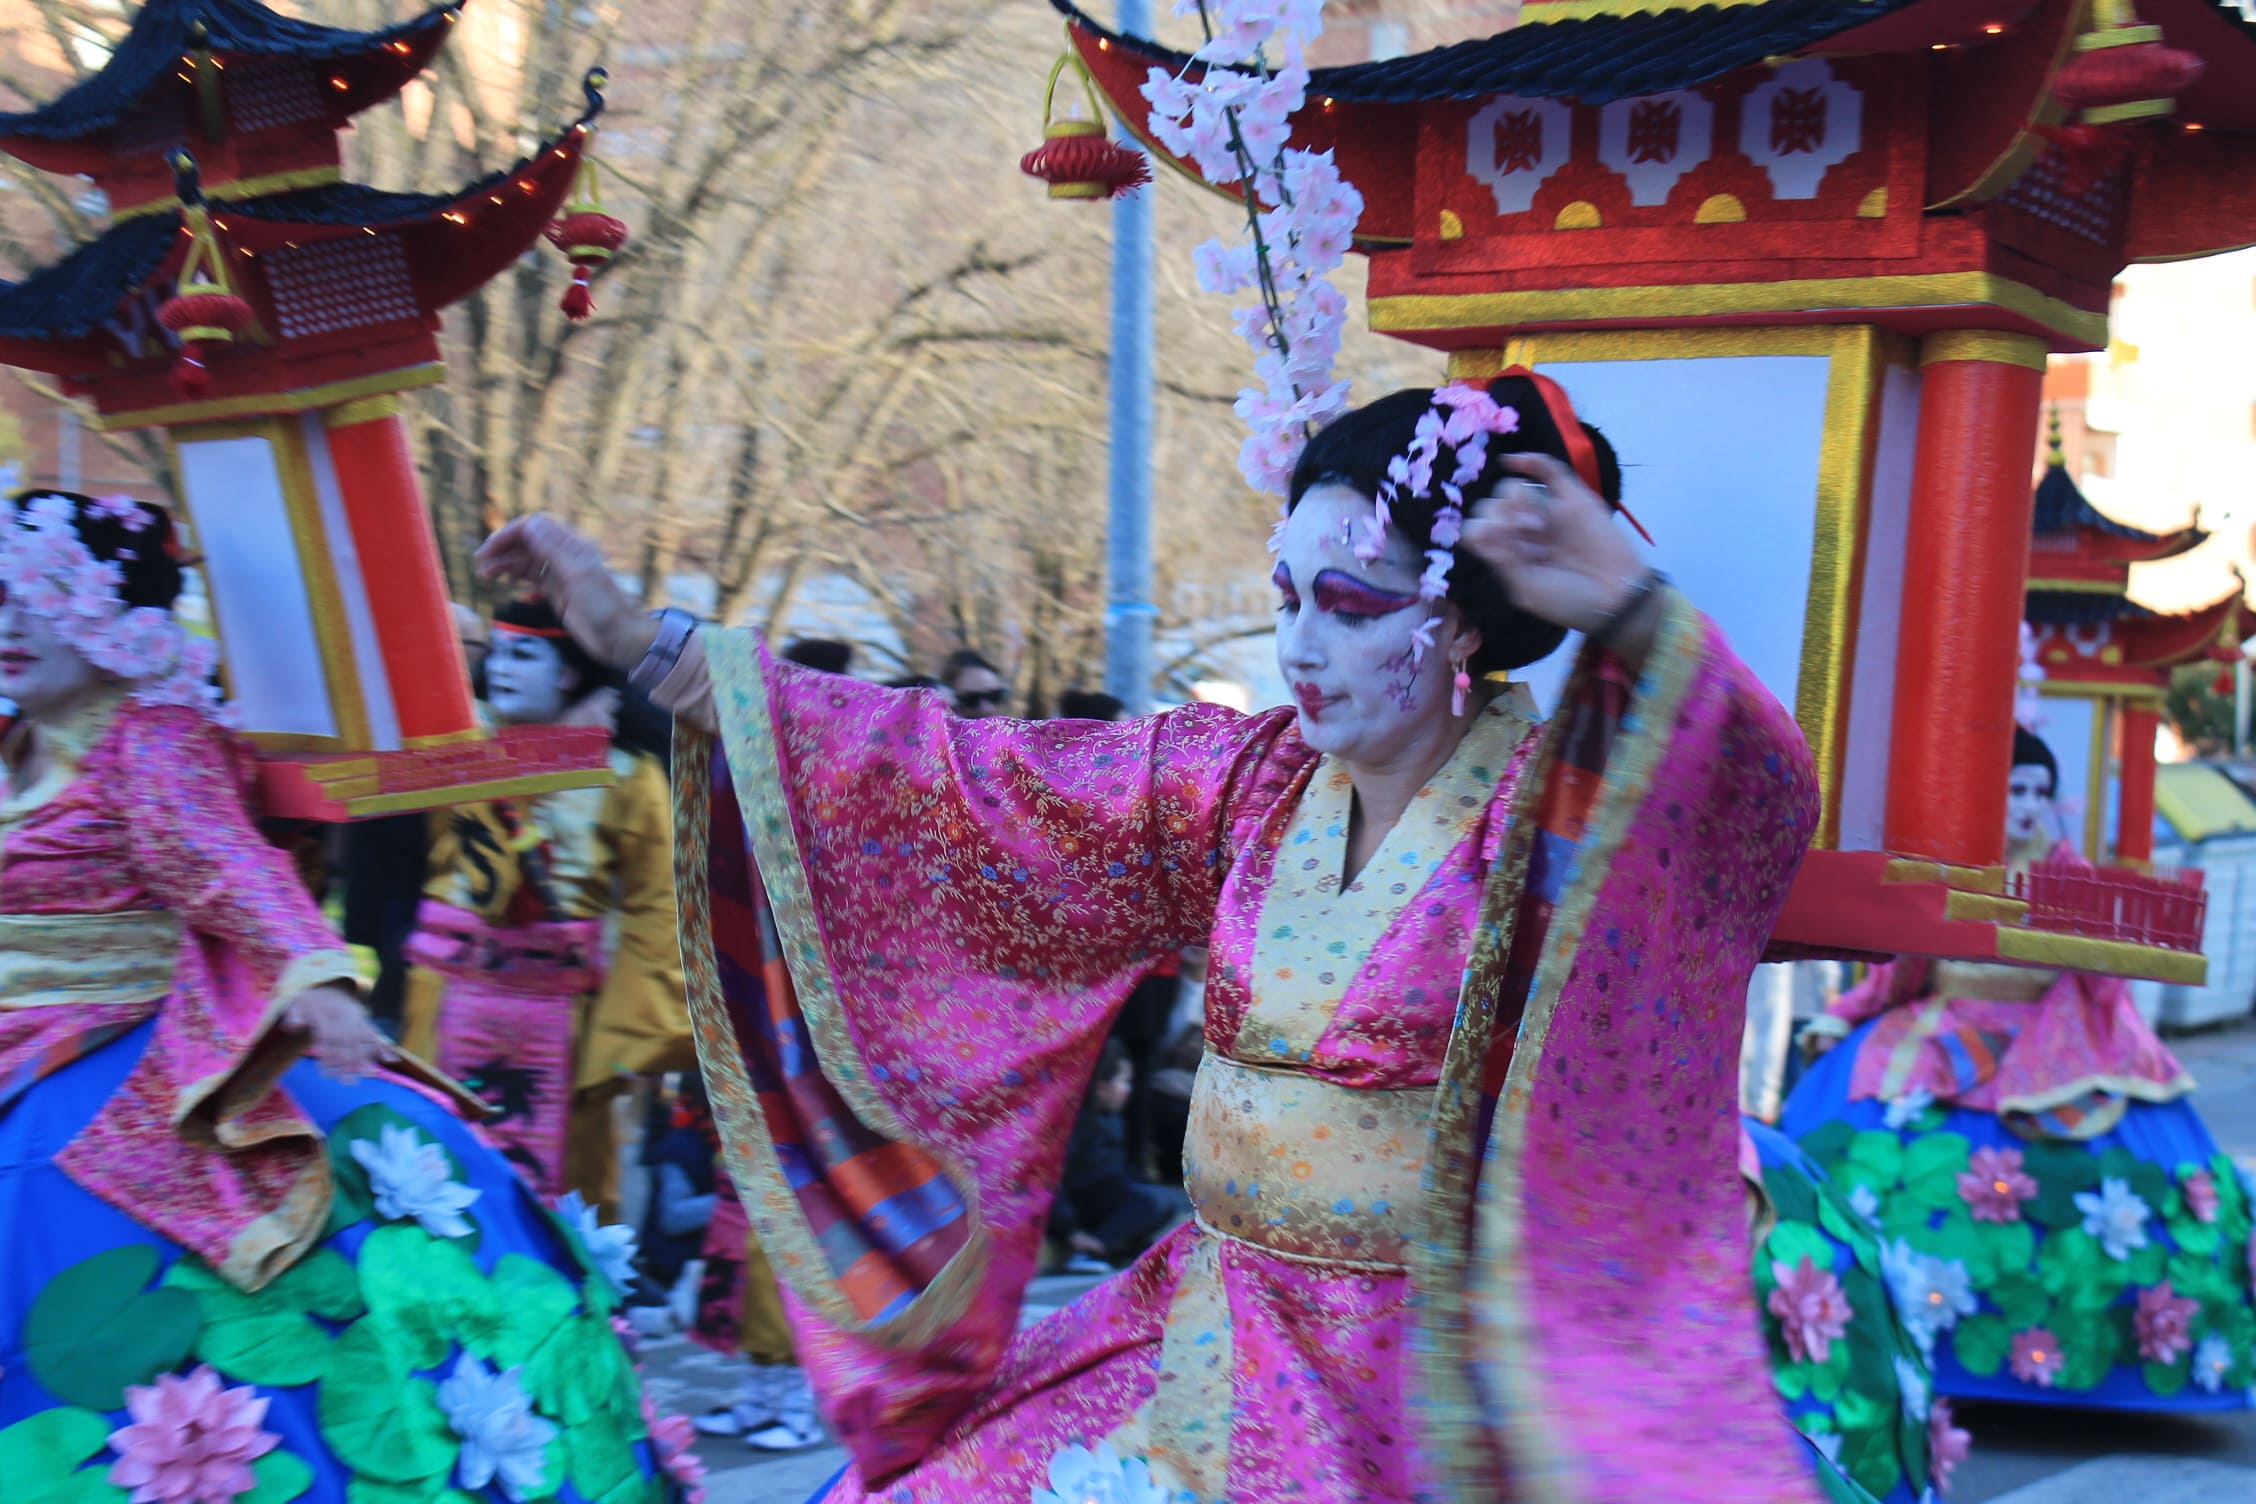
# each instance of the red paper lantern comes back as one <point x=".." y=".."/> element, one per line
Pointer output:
<point x="200" y="315"/>
<point x="2122" y="70"/>
<point x="588" y="237"/>
<point x="1076" y="158"/>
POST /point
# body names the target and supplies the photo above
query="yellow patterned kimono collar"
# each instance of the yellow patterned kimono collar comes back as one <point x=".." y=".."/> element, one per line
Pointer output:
<point x="64" y="744"/>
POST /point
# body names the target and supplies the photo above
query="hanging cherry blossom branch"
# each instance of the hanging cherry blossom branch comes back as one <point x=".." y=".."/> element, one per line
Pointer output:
<point x="1232" y="124"/>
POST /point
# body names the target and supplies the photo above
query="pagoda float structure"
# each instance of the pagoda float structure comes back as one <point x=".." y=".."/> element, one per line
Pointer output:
<point x="1804" y="261"/>
<point x="269" y="315"/>
<point x="2107" y="659"/>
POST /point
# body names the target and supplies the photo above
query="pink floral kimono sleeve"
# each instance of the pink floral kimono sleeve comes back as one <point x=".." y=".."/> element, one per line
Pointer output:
<point x="906" y="936"/>
<point x="253" y="941"/>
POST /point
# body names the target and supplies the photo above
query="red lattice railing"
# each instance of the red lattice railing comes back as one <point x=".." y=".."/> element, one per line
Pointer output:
<point x="2165" y="909"/>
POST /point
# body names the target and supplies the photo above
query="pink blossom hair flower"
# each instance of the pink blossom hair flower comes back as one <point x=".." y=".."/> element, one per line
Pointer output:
<point x="123" y="510"/>
<point x="2164" y="1323"/>
<point x="1422" y="640"/>
<point x="1947" y="1445"/>
<point x="2201" y="1197"/>
<point x="1993" y="1185"/>
<point x="1811" y="1309"/>
<point x="191" y="1440"/>
<point x="2036" y="1357"/>
<point x="1433" y="585"/>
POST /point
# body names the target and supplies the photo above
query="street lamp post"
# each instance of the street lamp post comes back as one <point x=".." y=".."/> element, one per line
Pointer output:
<point x="1129" y="612"/>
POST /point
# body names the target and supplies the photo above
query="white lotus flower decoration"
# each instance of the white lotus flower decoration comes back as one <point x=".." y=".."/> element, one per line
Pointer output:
<point x="611" y="1246"/>
<point x="1079" y="1475"/>
<point x="502" y="1439"/>
<point x="1931" y="1293"/>
<point x="2212" y="1360"/>
<point x="1905" y="1110"/>
<point x="412" y="1180"/>
<point x="1911" y="1382"/>
<point x="2116" y="1216"/>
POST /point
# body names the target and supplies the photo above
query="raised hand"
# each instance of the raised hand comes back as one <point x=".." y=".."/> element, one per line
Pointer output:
<point x="568" y="571"/>
<point x="1553" y="541"/>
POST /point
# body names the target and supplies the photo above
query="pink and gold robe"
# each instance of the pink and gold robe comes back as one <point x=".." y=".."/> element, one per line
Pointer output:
<point x="1463" y="1147"/>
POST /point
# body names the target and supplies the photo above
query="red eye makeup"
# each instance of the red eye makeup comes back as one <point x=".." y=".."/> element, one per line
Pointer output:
<point x="1349" y="596"/>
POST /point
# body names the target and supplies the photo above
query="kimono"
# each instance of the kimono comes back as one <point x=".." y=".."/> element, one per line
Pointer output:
<point x="545" y="968"/>
<point x="2070" y="1231"/>
<point x="1854" y="1381"/>
<point x="219" y="1257"/>
<point x="1462" y="1146"/>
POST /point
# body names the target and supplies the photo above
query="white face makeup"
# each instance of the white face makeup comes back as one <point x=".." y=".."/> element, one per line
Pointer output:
<point x="1345" y="631"/>
<point x="40" y="671"/>
<point x="527" y="680"/>
<point x="2028" y="799"/>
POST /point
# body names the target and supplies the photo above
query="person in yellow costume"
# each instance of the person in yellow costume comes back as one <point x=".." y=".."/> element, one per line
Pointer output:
<point x="547" y="973"/>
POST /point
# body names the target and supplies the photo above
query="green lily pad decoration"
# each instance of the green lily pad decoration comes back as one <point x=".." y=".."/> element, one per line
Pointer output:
<point x="1931" y="1167"/>
<point x="2008" y="1248"/>
<point x="1875" y="1159"/>
<point x="2147" y="1180"/>
<point x="263" y="1338"/>
<point x="97" y="1328"/>
<point x="2061" y="1172"/>
<point x="353" y="1201"/>
<point x="1828" y="1142"/>
<point x="531" y="1303"/>
<point x="2021" y="1300"/>
<point x="601" y="1457"/>
<point x="429" y="1491"/>
<point x="40" y="1456"/>
<point x="1792" y="1195"/>
<point x="281" y="1477"/>
<point x="1791" y="1380"/>
<point x="2195" y="1237"/>
<point x="1844" y="1224"/>
<point x="575" y="1374"/>
<point x="1981" y="1343"/>
<point x="1791" y="1242"/>
<point x="2166" y="1379"/>
<point x="377" y="1416"/>
<point x="426" y="1289"/>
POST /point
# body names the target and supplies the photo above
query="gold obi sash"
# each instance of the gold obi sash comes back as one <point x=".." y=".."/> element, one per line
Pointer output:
<point x="1307" y="1168"/>
<point x="51" y="959"/>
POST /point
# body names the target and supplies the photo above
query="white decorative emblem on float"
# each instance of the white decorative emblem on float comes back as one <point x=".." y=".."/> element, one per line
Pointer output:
<point x="1514" y="145"/>
<point x="1799" y="124"/>
<point x="1654" y="140"/>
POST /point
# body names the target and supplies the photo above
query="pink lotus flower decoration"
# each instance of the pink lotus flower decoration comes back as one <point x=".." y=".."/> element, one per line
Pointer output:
<point x="1810" y="1307"/>
<point x="1947" y="1445"/>
<point x="674" y="1439"/>
<point x="1994" y="1186"/>
<point x="2164" y="1323"/>
<point x="2036" y="1357"/>
<point x="192" y="1440"/>
<point x="2201" y="1197"/>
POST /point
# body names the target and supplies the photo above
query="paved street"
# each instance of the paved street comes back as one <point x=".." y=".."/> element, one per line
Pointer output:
<point x="2020" y="1456"/>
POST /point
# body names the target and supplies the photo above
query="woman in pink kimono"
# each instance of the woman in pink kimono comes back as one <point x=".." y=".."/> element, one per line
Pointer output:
<point x="230" y="1275"/>
<point x="1463" y="1146"/>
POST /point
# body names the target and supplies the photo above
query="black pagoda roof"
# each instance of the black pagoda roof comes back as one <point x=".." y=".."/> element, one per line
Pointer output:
<point x="165" y="31"/>
<point x="1592" y="58"/>
<point x="2062" y="508"/>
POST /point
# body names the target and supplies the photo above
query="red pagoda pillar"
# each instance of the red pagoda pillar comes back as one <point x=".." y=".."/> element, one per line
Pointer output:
<point x="2134" y="834"/>
<point x="401" y="573"/>
<point x="1962" y="593"/>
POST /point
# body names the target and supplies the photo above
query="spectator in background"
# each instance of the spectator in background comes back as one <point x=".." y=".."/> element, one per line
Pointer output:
<point x="975" y="685"/>
<point x="1090" y="705"/>
<point x="684" y="1162"/>
<point x="823" y="654"/>
<point x="1105" y="1213"/>
<point x="385" y="862"/>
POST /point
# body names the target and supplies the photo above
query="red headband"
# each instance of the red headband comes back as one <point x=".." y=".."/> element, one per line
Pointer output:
<point x="522" y="631"/>
<point x="1581" y="453"/>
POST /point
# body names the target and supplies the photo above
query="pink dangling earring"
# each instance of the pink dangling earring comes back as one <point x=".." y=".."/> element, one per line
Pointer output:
<point x="1461" y="689"/>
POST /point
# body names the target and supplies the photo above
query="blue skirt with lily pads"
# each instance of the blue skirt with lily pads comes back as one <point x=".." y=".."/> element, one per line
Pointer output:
<point x="350" y="1348"/>
<point x="2118" y="1279"/>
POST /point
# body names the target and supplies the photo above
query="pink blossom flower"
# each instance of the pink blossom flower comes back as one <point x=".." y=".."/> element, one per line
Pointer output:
<point x="1224" y="268"/>
<point x="1433" y="585"/>
<point x="1993" y="1185"/>
<point x="675" y="1439"/>
<point x="1810" y="1306"/>
<point x="1947" y="1445"/>
<point x="2036" y="1357"/>
<point x="2164" y="1323"/>
<point x="191" y="1441"/>
<point x="2201" y="1197"/>
<point x="1448" y="527"/>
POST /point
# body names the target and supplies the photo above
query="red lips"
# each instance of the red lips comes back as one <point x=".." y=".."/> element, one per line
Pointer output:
<point x="1311" y="700"/>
